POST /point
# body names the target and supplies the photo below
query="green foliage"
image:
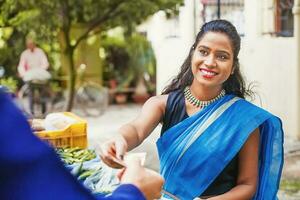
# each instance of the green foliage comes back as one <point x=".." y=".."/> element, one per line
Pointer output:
<point x="141" y="55"/>
<point x="116" y="58"/>
<point x="47" y="17"/>
<point x="128" y="60"/>
<point x="9" y="83"/>
<point x="290" y="186"/>
<point x="24" y="16"/>
<point x="10" y="51"/>
<point x="52" y="21"/>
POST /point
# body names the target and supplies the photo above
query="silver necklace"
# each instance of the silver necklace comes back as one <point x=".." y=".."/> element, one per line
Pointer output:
<point x="196" y="102"/>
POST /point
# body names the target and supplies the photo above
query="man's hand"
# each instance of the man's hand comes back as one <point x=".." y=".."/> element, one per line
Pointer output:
<point x="149" y="182"/>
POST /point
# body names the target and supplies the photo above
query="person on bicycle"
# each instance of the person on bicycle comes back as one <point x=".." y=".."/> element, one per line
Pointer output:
<point x="32" y="69"/>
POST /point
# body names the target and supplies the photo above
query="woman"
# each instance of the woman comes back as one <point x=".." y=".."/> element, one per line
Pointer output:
<point x="214" y="144"/>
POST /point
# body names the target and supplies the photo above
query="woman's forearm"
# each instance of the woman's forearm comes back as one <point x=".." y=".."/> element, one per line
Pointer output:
<point x="130" y="134"/>
<point x="240" y="192"/>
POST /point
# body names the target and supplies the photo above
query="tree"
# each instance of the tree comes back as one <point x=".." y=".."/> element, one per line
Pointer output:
<point x="48" y="18"/>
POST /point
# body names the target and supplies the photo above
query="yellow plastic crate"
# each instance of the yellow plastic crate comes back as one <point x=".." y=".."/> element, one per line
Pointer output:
<point x="75" y="135"/>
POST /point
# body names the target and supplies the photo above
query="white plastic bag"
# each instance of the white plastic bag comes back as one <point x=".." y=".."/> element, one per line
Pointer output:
<point x="57" y="121"/>
<point x="37" y="74"/>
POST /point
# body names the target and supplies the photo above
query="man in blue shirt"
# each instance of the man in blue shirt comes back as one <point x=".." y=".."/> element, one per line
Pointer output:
<point x="31" y="170"/>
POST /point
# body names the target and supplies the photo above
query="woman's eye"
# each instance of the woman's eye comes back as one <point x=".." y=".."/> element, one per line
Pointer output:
<point x="222" y="57"/>
<point x="203" y="52"/>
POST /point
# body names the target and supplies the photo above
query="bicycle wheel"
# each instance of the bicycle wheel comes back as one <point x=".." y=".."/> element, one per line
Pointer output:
<point x="23" y="99"/>
<point x="91" y="100"/>
<point x="39" y="99"/>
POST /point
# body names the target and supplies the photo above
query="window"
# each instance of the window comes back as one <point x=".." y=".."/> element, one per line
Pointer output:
<point x="231" y="10"/>
<point x="284" y="19"/>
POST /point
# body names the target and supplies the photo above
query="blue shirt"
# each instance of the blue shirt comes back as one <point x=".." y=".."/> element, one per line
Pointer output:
<point x="31" y="170"/>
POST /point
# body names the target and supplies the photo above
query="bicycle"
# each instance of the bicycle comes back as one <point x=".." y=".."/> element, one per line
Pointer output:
<point x="33" y="98"/>
<point x="90" y="100"/>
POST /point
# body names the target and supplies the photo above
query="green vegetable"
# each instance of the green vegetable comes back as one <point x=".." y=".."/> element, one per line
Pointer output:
<point x="71" y="155"/>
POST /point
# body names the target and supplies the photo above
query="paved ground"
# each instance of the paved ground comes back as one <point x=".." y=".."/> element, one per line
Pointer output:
<point x="105" y="126"/>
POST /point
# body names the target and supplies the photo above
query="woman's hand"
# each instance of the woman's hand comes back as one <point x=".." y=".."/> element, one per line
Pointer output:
<point x="133" y="133"/>
<point x="112" y="151"/>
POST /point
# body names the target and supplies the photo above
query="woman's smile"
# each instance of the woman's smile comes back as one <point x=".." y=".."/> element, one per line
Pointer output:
<point x="206" y="73"/>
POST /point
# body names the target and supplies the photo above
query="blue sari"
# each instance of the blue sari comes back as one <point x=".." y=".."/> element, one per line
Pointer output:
<point x="193" y="152"/>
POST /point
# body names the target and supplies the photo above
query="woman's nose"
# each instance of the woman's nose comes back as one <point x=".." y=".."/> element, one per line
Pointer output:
<point x="210" y="61"/>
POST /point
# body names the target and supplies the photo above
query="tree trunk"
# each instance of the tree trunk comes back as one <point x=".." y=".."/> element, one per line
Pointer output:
<point x="72" y="79"/>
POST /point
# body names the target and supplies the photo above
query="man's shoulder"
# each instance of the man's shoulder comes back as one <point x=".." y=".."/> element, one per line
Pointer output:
<point x="36" y="50"/>
<point x="25" y="52"/>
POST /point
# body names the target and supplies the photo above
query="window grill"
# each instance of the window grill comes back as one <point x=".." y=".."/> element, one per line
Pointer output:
<point x="284" y="19"/>
<point x="231" y="10"/>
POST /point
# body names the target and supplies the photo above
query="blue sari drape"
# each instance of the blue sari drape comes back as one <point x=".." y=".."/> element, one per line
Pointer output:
<point x="193" y="152"/>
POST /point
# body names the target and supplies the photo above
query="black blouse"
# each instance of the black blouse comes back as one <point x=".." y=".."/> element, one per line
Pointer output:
<point x="176" y="112"/>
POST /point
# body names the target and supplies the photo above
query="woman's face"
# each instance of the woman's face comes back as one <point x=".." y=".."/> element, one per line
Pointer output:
<point x="212" y="60"/>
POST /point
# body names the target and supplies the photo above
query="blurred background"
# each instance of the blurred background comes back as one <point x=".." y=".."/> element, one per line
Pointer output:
<point x="120" y="53"/>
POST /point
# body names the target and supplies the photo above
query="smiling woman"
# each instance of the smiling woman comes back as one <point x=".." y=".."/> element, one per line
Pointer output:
<point x="214" y="144"/>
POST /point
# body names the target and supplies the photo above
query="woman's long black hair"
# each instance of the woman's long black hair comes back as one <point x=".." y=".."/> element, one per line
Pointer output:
<point x="235" y="84"/>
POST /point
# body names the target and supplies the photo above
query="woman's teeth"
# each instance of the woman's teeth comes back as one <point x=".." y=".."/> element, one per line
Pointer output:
<point x="209" y="73"/>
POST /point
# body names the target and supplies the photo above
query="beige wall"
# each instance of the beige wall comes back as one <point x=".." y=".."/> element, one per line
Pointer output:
<point x="296" y="12"/>
<point x="270" y="63"/>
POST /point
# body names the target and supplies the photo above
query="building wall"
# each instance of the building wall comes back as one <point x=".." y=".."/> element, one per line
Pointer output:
<point x="269" y="62"/>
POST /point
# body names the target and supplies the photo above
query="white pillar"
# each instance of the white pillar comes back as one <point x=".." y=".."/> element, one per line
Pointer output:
<point x="252" y="19"/>
<point x="296" y="12"/>
<point x="187" y="22"/>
